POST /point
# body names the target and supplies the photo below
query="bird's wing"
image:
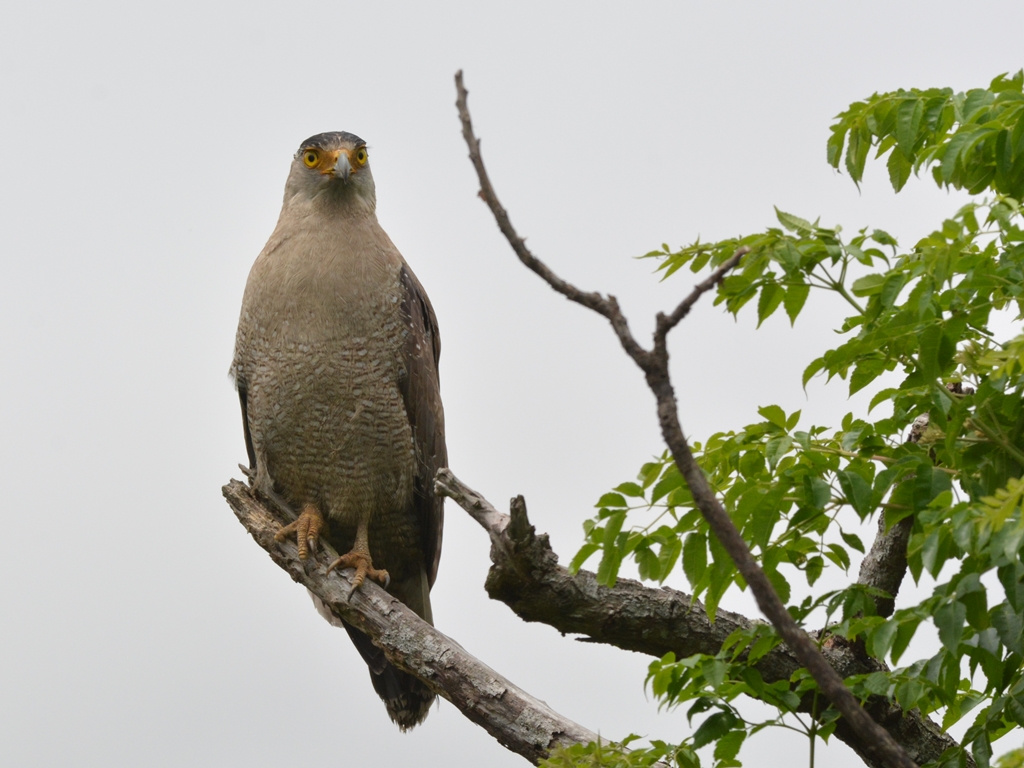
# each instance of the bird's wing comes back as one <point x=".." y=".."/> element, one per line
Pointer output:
<point x="422" y="395"/>
<point x="243" y="398"/>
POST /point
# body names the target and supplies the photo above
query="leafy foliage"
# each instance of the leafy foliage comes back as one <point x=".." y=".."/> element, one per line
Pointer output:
<point x="972" y="141"/>
<point x="922" y="315"/>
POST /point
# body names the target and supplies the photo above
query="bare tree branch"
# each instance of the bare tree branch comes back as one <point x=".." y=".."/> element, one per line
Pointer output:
<point x="885" y="564"/>
<point x="654" y="364"/>
<point x="520" y="722"/>
<point x="526" y="576"/>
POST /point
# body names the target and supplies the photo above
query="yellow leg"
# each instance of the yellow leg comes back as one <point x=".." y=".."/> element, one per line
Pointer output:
<point x="306" y="529"/>
<point x="359" y="558"/>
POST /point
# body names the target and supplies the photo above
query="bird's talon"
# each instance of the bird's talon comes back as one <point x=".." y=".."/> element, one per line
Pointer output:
<point x="364" y="567"/>
<point x="307" y="529"/>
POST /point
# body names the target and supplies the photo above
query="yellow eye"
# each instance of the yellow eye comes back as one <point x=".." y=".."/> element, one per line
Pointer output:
<point x="311" y="158"/>
<point x="361" y="156"/>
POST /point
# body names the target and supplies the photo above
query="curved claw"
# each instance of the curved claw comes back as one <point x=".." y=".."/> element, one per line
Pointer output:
<point x="307" y="530"/>
<point x="363" y="564"/>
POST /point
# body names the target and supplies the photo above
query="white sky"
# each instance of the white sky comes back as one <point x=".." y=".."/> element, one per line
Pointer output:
<point x="143" y="154"/>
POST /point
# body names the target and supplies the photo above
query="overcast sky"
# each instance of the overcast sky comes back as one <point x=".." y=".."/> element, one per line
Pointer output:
<point x="143" y="154"/>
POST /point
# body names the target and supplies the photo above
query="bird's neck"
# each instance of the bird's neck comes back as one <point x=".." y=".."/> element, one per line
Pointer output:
<point x="334" y="202"/>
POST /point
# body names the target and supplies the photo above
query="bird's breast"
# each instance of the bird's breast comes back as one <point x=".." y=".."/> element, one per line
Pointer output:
<point x="320" y="349"/>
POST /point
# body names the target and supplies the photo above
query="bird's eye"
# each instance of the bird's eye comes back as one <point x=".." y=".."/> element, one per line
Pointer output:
<point x="361" y="156"/>
<point x="311" y="158"/>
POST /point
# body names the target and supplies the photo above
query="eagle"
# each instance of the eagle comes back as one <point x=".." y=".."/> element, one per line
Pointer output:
<point x="336" y="366"/>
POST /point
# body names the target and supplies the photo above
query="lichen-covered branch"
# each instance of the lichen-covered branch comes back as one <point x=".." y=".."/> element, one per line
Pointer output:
<point x="526" y="576"/>
<point x="520" y="722"/>
<point x="654" y="364"/>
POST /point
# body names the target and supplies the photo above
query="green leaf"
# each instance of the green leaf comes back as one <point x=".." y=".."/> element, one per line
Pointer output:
<point x="981" y="748"/>
<point x="819" y="493"/>
<point x="904" y="634"/>
<point x="857" y="153"/>
<point x="650" y="472"/>
<point x="629" y="489"/>
<point x="853" y="540"/>
<point x="668" y="483"/>
<point x="793" y="420"/>
<point x="794" y="223"/>
<point x="935" y="352"/>
<point x="769" y="300"/>
<point x="891" y="288"/>
<point x="695" y="557"/>
<point x="776" y="448"/>
<point x="882" y="396"/>
<point x="882" y="237"/>
<point x="813" y="368"/>
<point x="1010" y="626"/>
<point x="908" y="124"/>
<point x="612" y="500"/>
<point x="581" y="557"/>
<point x="779" y="584"/>
<point x="667" y="556"/>
<point x="928" y="484"/>
<point x="788" y="256"/>
<point x="1012" y="578"/>
<point x="865" y="372"/>
<point x="880" y="641"/>
<point x="728" y="746"/>
<point x="950" y="620"/>
<point x="857" y="492"/>
<point x="751" y="464"/>
<point x="877" y="682"/>
<point x="714" y="728"/>
<point x="774" y="414"/>
<point x="899" y="170"/>
<point x="720" y="576"/>
<point x="814" y="568"/>
<point x="908" y="692"/>
<point x="838" y="555"/>
<point x="868" y="285"/>
<point x="648" y="564"/>
<point x="951" y="160"/>
<point x="608" y="570"/>
<point x="612" y="528"/>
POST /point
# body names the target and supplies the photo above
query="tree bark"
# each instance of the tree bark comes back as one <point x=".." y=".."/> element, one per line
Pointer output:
<point x="520" y="722"/>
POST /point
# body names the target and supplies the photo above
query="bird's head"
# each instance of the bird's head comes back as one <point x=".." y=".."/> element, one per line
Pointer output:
<point x="334" y="165"/>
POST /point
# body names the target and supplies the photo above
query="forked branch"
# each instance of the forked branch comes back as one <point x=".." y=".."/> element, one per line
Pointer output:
<point x="654" y="364"/>
<point x="527" y="577"/>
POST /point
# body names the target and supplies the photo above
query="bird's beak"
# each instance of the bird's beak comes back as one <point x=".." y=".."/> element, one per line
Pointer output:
<point x="341" y="168"/>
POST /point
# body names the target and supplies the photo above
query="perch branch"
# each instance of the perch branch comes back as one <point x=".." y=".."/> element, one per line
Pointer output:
<point x="654" y="364"/>
<point x="526" y="576"/>
<point x="520" y="722"/>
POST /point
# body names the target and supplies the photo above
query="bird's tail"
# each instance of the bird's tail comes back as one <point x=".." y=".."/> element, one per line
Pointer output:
<point x="407" y="699"/>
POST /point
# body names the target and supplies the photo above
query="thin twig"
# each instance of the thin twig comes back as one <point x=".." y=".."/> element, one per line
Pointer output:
<point x="667" y="322"/>
<point x="607" y="307"/>
<point x="654" y="364"/>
